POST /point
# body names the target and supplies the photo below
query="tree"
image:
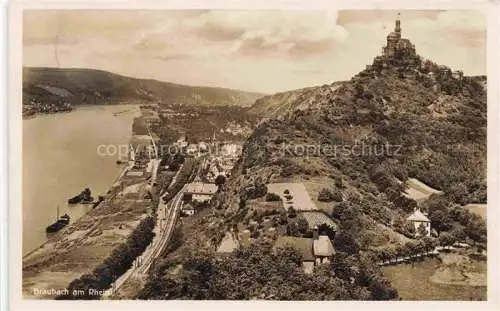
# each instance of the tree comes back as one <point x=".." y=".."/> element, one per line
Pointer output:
<point x="391" y="253"/>
<point x="339" y="183"/>
<point x="220" y="180"/>
<point x="422" y="230"/>
<point x="409" y="229"/>
<point x="458" y="233"/>
<point x="272" y="197"/>
<point x="428" y="243"/>
<point x="384" y="255"/>
<point x="380" y="289"/>
<point x="476" y="230"/>
<point x="440" y="219"/>
<point x="259" y="272"/>
<point x="298" y="227"/>
<point x="243" y="203"/>
<point x="328" y="230"/>
<point x="327" y="195"/>
<point x="345" y="242"/>
<point x="458" y="193"/>
<point x="446" y="239"/>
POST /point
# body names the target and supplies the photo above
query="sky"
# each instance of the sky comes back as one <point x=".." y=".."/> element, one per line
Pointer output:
<point x="261" y="51"/>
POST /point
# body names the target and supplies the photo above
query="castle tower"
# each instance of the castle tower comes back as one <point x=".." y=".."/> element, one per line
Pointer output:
<point x="394" y="40"/>
<point x="397" y="29"/>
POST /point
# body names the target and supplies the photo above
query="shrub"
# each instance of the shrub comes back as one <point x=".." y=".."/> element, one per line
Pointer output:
<point x="256" y="190"/>
<point x="327" y="195"/>
<point x="297" y="227"/>
<point x="339" y="183"/>
<point x="272" y="197"/>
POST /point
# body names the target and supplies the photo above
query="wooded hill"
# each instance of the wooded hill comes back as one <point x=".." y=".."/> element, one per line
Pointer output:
<point x="90" y="86"/>
<point x="432" y="124"/>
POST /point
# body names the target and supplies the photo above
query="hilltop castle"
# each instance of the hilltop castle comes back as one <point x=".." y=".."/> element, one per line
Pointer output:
<point x="400" y="54"/>
<point x="396" y="45"/>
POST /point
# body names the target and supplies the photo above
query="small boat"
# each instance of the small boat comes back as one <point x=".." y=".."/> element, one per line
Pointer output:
<point x="84" y="197"/>
<point x="60" y="223"/>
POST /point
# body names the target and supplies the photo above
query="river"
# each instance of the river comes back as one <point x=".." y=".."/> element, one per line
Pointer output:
<point x="60" y="159"/>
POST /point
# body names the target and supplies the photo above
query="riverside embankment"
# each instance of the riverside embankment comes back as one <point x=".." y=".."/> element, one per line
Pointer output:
<point x="60" y="159"/>
<point x="82" y="246"/>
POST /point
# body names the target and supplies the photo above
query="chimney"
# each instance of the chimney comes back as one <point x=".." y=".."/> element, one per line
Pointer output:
<point x="315" y="232"/>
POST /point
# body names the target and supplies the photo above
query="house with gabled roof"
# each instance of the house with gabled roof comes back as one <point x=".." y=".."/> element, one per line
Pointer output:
<point x="420" y="219"/>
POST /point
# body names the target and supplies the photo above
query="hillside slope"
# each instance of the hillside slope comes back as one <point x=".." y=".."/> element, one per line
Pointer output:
<point x="280" y="103"/>
<point x="436" y="121"/>
<point x="356" y="147"/>
<point x="89" y="86"/>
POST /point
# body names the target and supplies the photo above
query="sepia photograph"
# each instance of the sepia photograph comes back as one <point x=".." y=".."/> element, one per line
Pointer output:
<point x="265" y="154"/>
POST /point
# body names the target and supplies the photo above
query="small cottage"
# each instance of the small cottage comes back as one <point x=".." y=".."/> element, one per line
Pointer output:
<point x="315" y="251"/>
<point x="419" y="219"/>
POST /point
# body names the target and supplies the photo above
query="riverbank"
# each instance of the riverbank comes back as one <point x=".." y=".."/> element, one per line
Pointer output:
<point x="83" y="245"/>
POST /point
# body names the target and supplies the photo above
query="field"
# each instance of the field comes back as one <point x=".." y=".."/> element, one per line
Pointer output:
<point x="228" y="244"/>
<point x="479" y="209"/>
<point x="430" y="280"/>
<point x="301" y="201"/>
<point x="419" y="191"/>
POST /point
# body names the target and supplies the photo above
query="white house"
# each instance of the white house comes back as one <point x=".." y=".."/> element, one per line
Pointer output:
<point x="418" y="218"/>
<point x="231" y="150"/>
<point x="322" y="249"/>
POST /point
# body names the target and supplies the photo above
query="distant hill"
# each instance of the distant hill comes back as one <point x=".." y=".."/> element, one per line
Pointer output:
<point x="89" y="86"/>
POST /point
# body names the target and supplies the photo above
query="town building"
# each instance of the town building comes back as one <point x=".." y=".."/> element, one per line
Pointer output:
<point x="200" y="192"/>
<point x="420" y="219"/>
<point x="231" y="150"/>
<point x="188" y="210"/>
<point x="192" y="149"/>
<point x="181" y="142"/>
<point x="203" y="146"/>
